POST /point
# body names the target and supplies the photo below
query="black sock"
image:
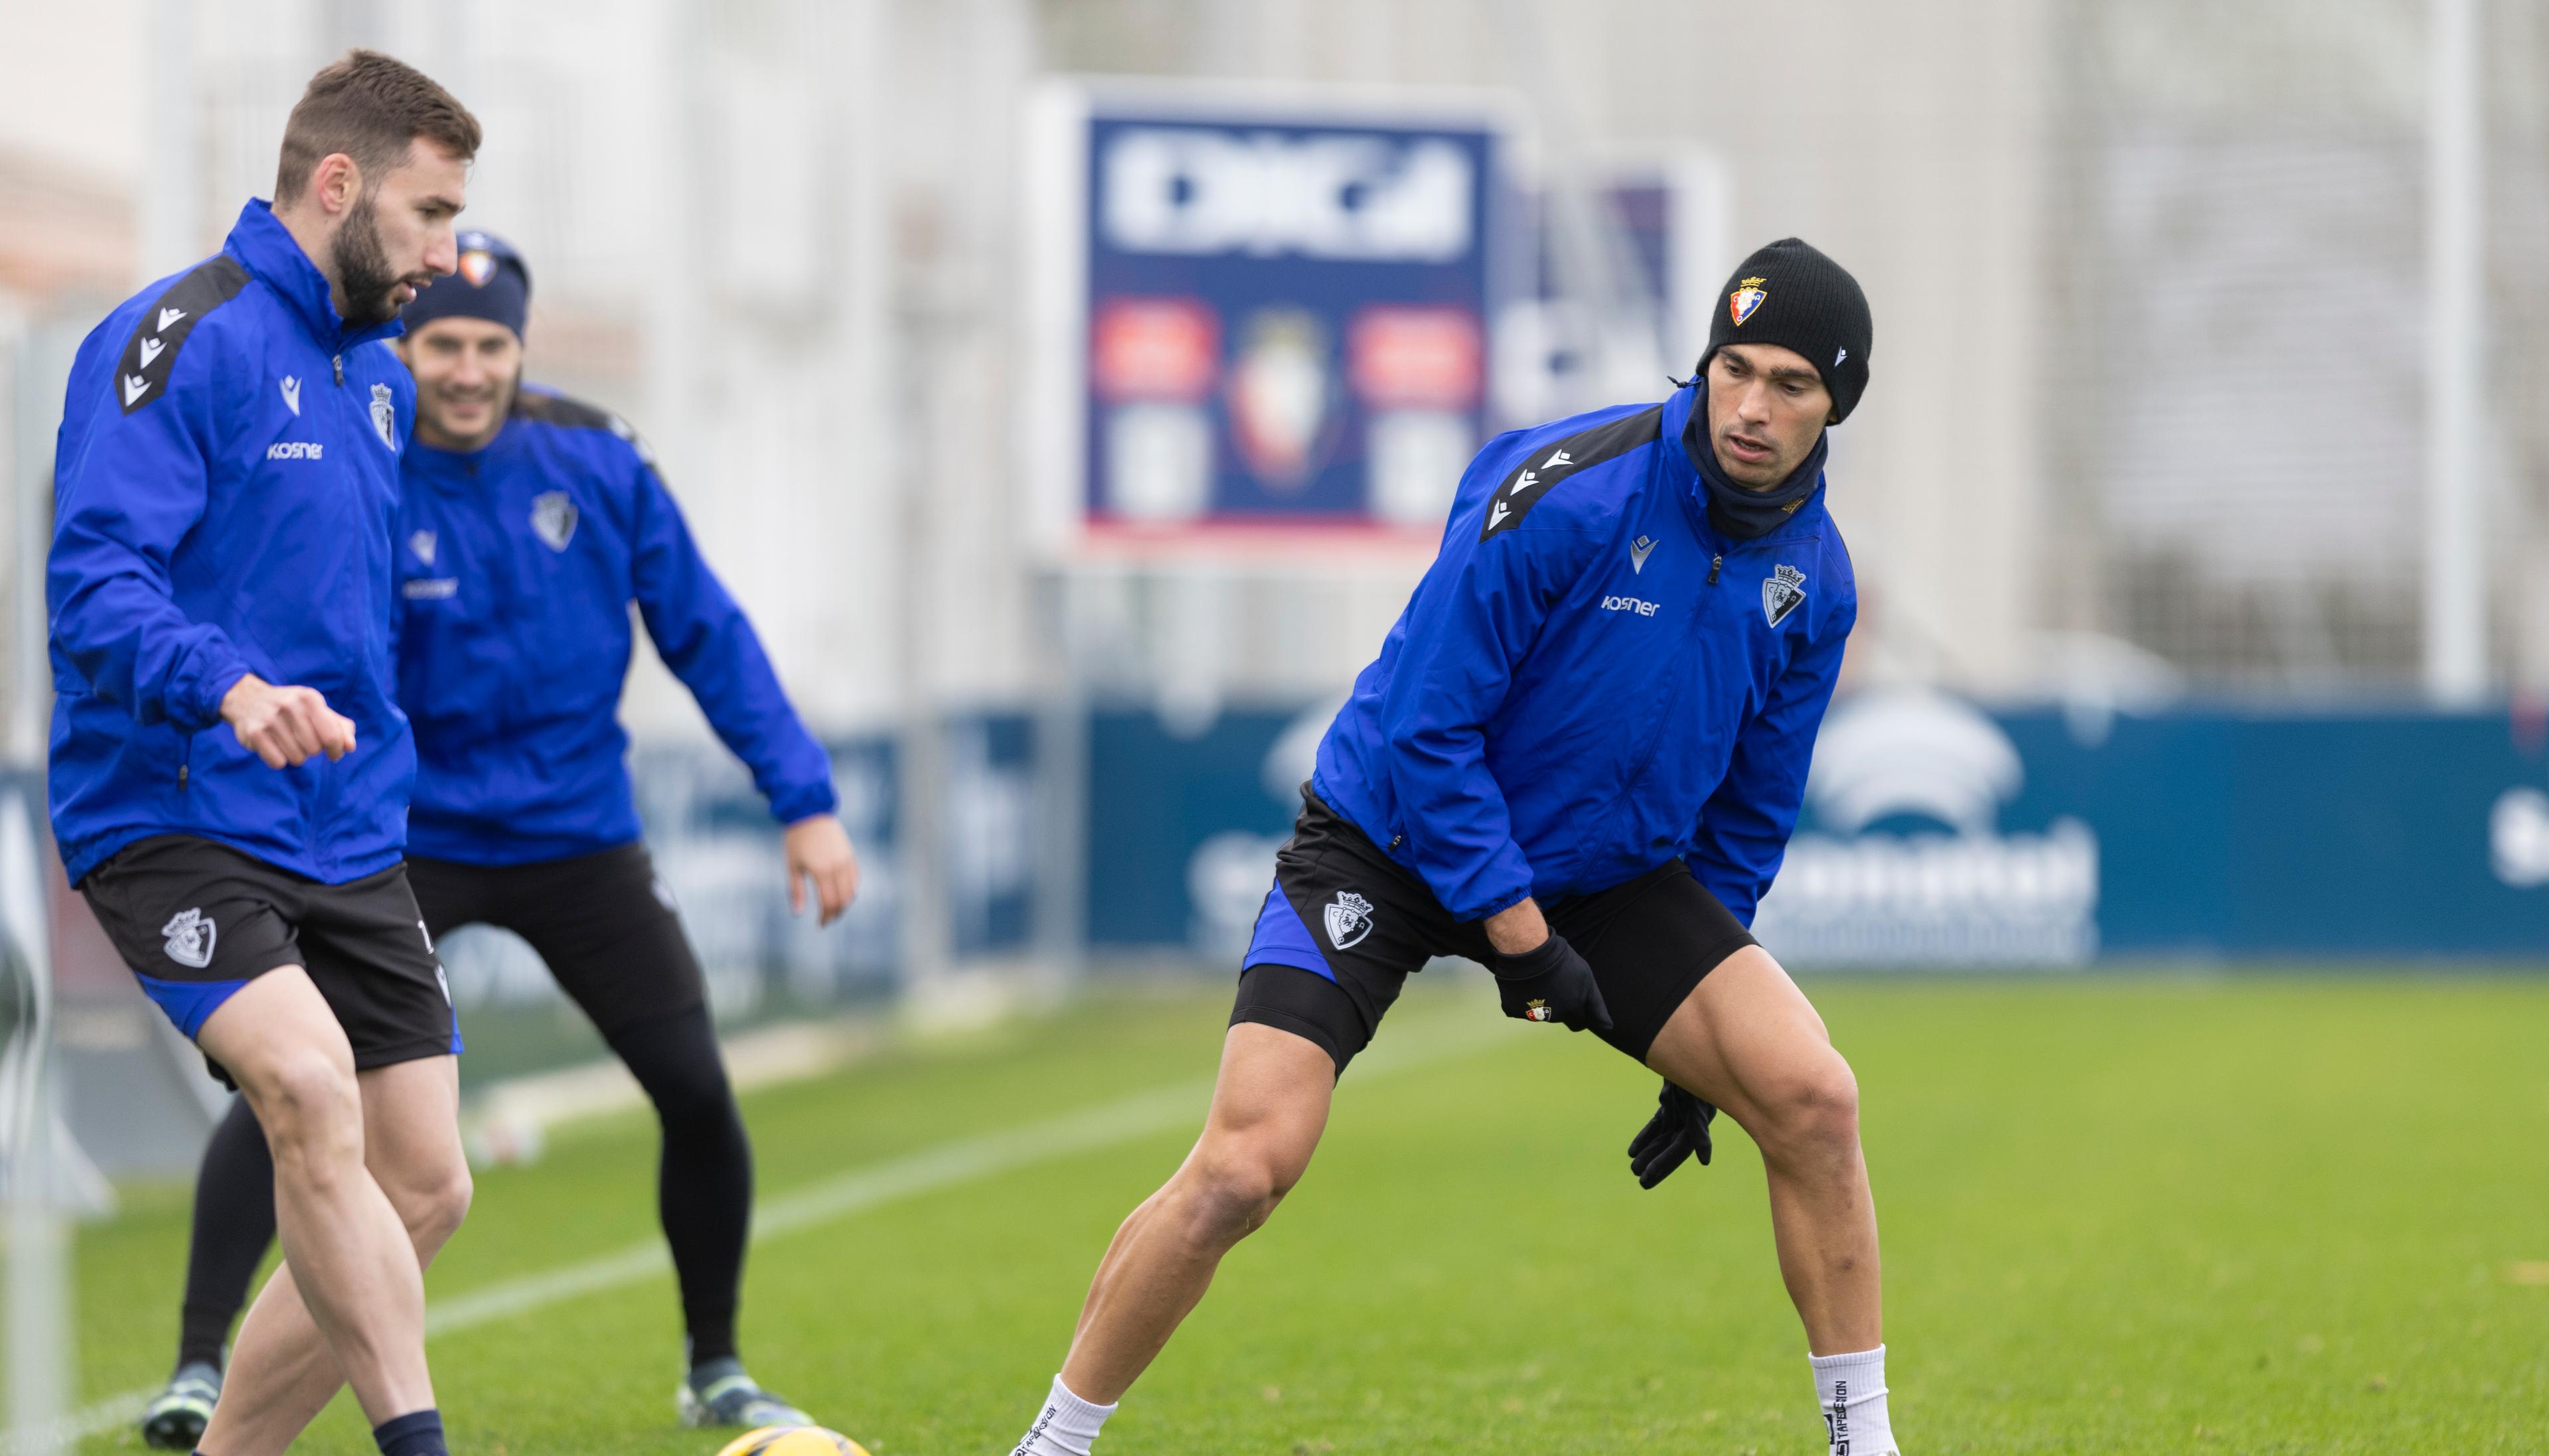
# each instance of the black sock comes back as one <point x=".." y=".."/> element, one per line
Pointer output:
<point x="234" y="1223"/>
<point x="703" y="1188"/>
<point x="416" y="1434"/>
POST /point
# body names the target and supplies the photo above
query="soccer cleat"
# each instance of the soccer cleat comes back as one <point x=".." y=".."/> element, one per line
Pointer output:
<point x="174" y="1420"/>
<point x="720" y="1394"/>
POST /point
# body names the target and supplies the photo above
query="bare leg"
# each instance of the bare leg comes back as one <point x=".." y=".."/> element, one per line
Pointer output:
<point x="1749" y="1041"/>
<point x="369" y="1182"/>
<point x="1268" y="1108"/>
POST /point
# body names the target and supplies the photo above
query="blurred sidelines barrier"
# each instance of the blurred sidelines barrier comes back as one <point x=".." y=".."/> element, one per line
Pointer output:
<point x="1940" y="832"/>
<point x="1937" y="833"/>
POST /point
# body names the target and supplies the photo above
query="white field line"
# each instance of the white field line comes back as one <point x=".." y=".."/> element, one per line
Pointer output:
<point x="1107" y="1125"/>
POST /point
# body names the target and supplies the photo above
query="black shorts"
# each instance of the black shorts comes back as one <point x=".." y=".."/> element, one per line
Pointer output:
<point x="1345" y="925"/>
<point x="197" y="920"/>
<point x="603" y="923"/>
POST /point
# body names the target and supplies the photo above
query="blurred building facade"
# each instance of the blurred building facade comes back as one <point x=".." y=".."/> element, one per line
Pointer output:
<point x="2147" y="281"/>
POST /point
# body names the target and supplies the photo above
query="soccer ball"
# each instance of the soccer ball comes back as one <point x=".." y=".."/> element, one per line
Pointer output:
<point x="792" y="1440"/>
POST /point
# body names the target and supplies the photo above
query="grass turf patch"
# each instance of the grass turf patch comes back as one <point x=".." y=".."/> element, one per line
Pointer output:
<point x="2121" y="1216"/>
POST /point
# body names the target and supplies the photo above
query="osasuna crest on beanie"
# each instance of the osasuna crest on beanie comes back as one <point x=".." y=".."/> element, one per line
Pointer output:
<point x="492" y="283"/>
<point x="1790" y="294"/>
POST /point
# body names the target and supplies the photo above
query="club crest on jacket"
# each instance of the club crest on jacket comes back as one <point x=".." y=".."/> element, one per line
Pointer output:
<point x="1782" y="591"/>
<point x="553" y="519"/>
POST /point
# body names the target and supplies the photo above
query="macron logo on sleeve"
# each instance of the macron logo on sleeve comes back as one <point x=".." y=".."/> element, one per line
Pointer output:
<point x="1530" y="483"/>
<point x="150" y="354"/>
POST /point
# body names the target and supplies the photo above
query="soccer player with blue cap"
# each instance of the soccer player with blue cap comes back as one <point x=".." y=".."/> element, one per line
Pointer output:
<point x="529" y="522"/>
<point x="1576" y="760"/>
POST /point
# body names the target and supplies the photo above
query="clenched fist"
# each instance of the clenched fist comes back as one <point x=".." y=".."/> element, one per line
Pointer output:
<point x="285" y="726"/>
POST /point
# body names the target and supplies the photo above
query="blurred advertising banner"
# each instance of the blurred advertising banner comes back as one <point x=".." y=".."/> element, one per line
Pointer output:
<point x="1260" y="310"/>
<point x="718" y="855"/>
<point x="1938" y="833"/>
<point x="1289" y="316"/>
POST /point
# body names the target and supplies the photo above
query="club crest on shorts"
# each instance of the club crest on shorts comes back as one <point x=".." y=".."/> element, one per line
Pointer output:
<point x="1747" y="297"/>
<point x="385" y="416"/>
<point x="553" y="519"/>
<point x="190" y="939"/>
<point x="1349" y="918"/>
<point x="1782" y="591"/>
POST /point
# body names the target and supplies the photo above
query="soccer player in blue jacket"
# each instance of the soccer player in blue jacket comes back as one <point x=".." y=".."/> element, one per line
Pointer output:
<point x="1578" y="761"/>
<point x="529" y="524"/>
<point x="229" y="769"/>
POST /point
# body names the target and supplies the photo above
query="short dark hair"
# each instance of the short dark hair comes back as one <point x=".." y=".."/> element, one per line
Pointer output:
<point x="372" y="108"/>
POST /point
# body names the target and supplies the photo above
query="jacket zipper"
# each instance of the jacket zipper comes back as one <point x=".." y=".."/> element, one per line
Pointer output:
<point x="1716" y="564"/>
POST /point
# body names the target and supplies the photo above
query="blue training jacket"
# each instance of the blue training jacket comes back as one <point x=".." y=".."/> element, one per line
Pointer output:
<point x="517" y="564"/>
<point x="223" y="486"/>
<point x="1592" y="680"/>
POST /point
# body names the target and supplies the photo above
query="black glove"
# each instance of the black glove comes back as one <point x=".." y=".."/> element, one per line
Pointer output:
<point x="1551" y="983"/>
<point x="1678" y="1129"/>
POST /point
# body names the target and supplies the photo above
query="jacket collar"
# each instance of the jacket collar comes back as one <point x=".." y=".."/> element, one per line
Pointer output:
<point x="439" y="464"/>
<point x="1684" y="473"/>
<point x="266" y="248"/>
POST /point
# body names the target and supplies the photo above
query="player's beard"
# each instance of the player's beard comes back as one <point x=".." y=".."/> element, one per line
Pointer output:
<point x="363" y="272"/>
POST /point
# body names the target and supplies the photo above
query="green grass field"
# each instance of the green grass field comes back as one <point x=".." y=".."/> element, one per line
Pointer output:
<point x="2121" y="1216"/>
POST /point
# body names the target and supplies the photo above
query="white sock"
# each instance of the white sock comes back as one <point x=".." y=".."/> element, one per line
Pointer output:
<point x="1065" y="1428"/>
<point x="1851" y="1390"/>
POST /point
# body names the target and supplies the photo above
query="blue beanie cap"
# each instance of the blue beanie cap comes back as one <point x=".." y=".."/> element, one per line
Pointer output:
<point x="493" y="284"/>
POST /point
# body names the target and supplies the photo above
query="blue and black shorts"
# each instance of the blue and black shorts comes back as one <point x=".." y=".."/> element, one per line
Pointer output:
<point x="197" y="920"/>
<point x="1345" y="926"/>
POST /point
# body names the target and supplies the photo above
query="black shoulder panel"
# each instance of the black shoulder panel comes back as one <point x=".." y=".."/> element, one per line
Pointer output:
<point x="1538" y="476"/>
<point x="558" y="410"/>
<point x="150" y="356"/>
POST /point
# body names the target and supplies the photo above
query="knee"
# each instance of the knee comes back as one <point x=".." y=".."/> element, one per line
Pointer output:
<point x="1812" y="1111"/>
<point x="312" y="1109"/>
<point x="431" y="1202"/>
<point x="1233" y="1184"/>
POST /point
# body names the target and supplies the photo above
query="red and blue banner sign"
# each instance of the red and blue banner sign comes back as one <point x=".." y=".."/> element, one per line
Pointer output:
<point x="1276" y="316"/>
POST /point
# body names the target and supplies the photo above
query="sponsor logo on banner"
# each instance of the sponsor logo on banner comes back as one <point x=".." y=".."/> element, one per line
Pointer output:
<point x="2517" y="837"/>
<point x="1368" y="197"/>
<point x="1157" y="349"/>
<point x="1905" y="863"/>
<point x="1280" y="395"/>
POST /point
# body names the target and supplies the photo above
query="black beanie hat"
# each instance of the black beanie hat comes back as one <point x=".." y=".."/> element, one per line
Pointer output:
<point x="492" y="283"/>
<point x="1790" y="294"/>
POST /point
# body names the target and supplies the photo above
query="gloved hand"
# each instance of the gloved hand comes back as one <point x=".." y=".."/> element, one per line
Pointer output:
<point x="1551" y="983"/>
<point x="1678" y="1129"/>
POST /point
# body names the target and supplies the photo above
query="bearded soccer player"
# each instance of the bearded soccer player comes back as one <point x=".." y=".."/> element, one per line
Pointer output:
<point x="1578" y="761"/>
<point x="229" y="769"/>
<point x="531" y="523"/>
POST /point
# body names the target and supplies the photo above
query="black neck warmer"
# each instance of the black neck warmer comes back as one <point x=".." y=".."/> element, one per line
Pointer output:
<point x="1736" y="511"/>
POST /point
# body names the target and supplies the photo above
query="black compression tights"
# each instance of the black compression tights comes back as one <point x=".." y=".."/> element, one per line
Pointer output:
<point x="703" y="1191"/>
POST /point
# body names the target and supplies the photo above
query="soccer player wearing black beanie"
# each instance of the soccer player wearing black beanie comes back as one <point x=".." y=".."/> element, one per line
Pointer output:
<point x="1577" y="762"/>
